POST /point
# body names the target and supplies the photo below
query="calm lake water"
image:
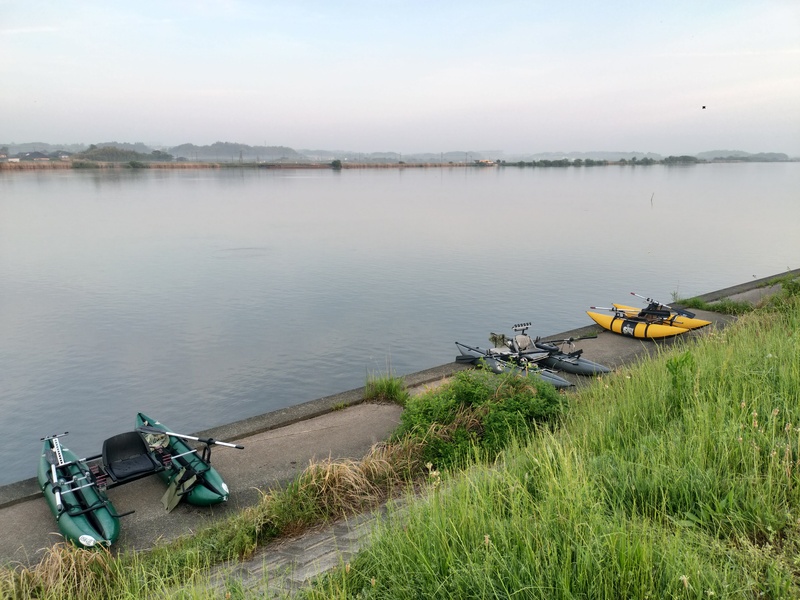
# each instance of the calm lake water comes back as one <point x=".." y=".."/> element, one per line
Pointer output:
<point x="203" y="297"/>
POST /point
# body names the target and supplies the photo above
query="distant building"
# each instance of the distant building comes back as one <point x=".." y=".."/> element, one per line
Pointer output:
<point x="484" y="162"/>
<point x="35" y="156"/>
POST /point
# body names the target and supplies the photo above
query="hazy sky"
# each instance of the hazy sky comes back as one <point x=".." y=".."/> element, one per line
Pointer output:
<point x="405" y="76"/>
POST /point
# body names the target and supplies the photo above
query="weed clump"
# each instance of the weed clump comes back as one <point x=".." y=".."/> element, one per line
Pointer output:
<point x="478" y="411"/>
<point x="386" y="388"/>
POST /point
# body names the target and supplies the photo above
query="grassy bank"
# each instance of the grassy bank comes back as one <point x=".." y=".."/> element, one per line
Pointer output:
<point x="675" y="478"/>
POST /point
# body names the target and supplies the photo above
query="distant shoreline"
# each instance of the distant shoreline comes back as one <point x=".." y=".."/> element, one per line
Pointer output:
<point x="61" y="165"/>
<point x="95" y="165"/>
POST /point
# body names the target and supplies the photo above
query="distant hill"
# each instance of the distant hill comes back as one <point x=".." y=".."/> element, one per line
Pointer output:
<point x="741" y="155"/>
<point x="455" y="156"/>
<point x="43" y="147"/>
<point x="138" y="147"/>
<point x="111" y="153"/>
<point x="231" y="152"/>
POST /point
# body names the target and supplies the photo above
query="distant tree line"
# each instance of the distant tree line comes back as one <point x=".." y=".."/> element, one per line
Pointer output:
<point x="676" y="160"/>
<point x="760" y="157"/>
<point x="114" y="154"/>
<point x="588" y="162"/>
<point x="684" y="159"/>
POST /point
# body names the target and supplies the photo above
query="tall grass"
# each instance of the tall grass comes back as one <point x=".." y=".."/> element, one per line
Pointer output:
<point x="386" y="388"/>
<point x="726" y="306"/>
<point x="675" y="479"/>
<point x="479" y="410"/>
<point x="790" y="288"/>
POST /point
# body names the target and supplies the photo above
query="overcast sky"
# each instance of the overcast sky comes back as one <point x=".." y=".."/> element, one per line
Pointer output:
<point x="405" y="76"/>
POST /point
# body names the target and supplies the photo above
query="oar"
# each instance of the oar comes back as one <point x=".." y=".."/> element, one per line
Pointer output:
<point x="207" y="441"/>
<point x="680" y="311"/>
<point x="624" y="314"/>
<point x="54" y="456"/>
<point x="609" y="308"/>
<point x="56" y="487"/>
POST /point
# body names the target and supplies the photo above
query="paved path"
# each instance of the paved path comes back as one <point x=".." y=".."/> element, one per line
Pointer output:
<point x="287" y="565"/>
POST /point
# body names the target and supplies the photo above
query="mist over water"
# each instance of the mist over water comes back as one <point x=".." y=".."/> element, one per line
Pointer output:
<point x="203" y="297"/>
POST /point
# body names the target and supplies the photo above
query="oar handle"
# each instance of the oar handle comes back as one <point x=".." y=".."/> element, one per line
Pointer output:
<point x="56" y="488"/>
<point x="218" y="443"/>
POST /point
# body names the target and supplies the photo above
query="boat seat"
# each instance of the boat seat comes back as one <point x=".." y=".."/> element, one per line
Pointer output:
<point x="126" y="457"/>
<point x="655" y="315"/>
<point x="524" y="342"/>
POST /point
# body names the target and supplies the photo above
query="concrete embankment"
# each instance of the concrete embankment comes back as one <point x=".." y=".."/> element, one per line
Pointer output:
<point x="279" y="445"/>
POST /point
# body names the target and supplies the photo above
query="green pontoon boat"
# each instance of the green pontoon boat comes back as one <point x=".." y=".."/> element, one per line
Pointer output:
<point x="75" y="488"/>
<point x="84" y="513"/>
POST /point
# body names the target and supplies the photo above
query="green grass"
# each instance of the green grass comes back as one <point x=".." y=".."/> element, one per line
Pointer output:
<point x="386" y="388"/>
<point x="724" y="306"/>
<point x="790" y="288"/>
<point x="478" y="411"/>
<point x="674" y="479"/>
